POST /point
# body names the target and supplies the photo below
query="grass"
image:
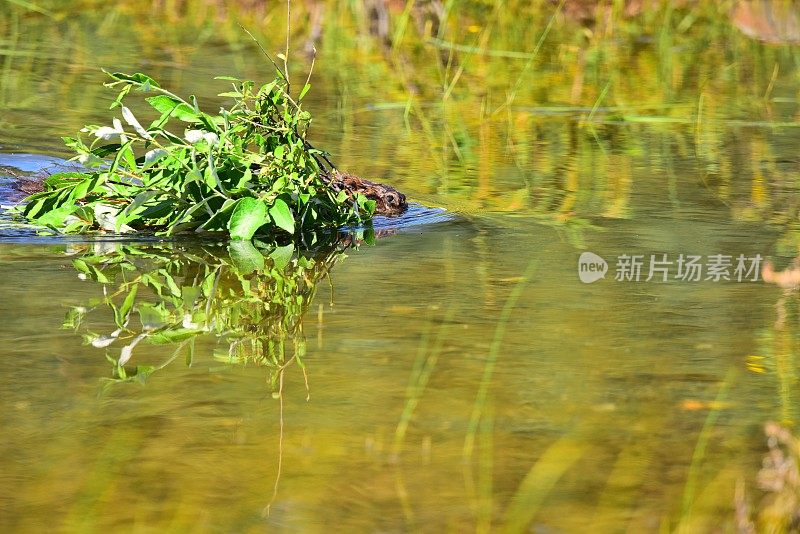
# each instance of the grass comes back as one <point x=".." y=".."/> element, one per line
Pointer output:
<point x="480" y="421"/>
<point x="424" y="365"/>
<point x="691" y="488"/>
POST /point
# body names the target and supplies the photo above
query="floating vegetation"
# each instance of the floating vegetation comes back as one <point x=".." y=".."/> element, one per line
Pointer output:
<point x="244" y="171"/>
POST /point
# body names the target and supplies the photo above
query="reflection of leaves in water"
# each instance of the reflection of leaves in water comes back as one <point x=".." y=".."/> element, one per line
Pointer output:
<point x="250" y="298"/>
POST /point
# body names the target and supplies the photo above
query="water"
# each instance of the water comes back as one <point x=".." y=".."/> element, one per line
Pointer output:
<point x="457" y="375"/>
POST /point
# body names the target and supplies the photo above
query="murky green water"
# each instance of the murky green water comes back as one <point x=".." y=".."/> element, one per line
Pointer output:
<point x="457" y="375"/>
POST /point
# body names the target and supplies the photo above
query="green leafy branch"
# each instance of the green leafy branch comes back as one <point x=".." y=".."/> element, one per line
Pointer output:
<point x="248" y="170"/>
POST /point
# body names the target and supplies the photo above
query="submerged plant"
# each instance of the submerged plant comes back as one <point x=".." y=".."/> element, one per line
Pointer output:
<point x="248" y="169"/>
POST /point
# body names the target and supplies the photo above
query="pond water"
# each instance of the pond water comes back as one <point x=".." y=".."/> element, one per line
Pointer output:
<point x="457" y="374"/>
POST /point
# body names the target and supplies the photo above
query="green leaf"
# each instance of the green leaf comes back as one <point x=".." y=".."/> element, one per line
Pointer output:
<point x="282" y="255"/>
<point x="248" y="216"/>
<point x="105" y="150"/>
<point x="171" y="336"/>
<point x="137" y="78"/>
<point x="129" y="157"/>
<point x="282" y="215"/>
<point x="121" y="314"/>
<point x="304" y="91"/>
<point x="190" y="353"/>
<point x="142" y="373"/>
<point x="211" y="123"/>
<point x="133" y="209"/>
<point x="57" y="216"/>
<point x="151" y="316"/>
<point x="369" y="235"/>
<point x="90" y="270"/>
<point x="245" y="257"/>
<point x="123" y="154"/>
<point x="60" y="179"/>
<point x="244" y="181"/>
<point x="81" y="266"/>
<point x="170" y="282"/>
<point x="175" y="108"/>
<point x="120" y="97"/>
<point x="268" y="87"/>
<point x="365" y="204"/>
<point x="74" y="318"/>
<point x="219" y="221"/>
<point x="127" y="305"/>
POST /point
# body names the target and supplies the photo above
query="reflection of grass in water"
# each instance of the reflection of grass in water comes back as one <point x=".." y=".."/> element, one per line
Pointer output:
<point x="30" y="6"/>
<point x="100" y="478"/>
<point x="423" y="367"/>
<point x="480" y="425"/>
<point x="779" y="478"/>
<point x="703" y="499"/>
<point x="777" y="348"/>
<point x="690" y="489"/>
<point x="777" y="508"/>
<point x="540" y="481"/>
<point x="491" y="361"/>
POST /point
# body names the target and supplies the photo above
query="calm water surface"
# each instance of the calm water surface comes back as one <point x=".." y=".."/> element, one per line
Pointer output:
<point x="457" y="375"/>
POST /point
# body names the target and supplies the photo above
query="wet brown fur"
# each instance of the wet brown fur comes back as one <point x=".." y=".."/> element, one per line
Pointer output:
<point x="29" y="186"/>
<point x="388" y="200"/>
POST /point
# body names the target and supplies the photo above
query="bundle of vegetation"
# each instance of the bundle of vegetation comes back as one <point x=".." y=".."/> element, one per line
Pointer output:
<point x="248" y="170"/>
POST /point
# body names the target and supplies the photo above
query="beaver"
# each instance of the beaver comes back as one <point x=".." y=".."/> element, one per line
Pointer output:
<point x="25" y="183"/>
<point x="30" y="185"/>
<point x="388" y="200"/>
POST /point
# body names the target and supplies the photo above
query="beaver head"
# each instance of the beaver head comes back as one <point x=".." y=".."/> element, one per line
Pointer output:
<point x="390" y="202"/>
